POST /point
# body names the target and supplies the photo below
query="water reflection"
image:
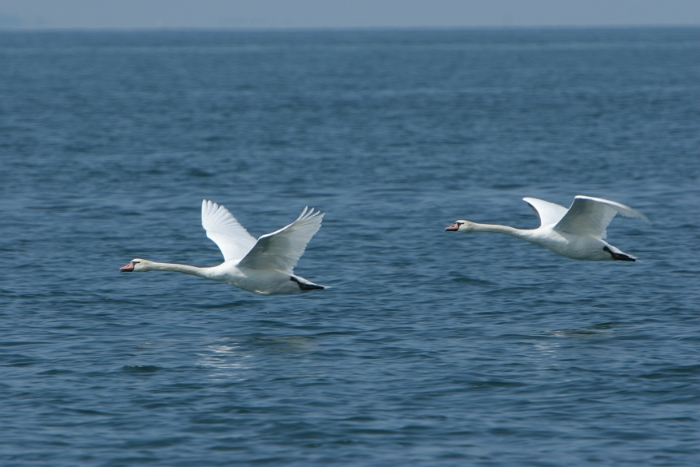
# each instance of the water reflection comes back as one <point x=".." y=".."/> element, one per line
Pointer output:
<point x="227" y="360"/>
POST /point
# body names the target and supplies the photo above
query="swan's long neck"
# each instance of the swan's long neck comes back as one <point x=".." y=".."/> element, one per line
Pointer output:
<point x="504" y="229"/>
<point x="184" y="268"/>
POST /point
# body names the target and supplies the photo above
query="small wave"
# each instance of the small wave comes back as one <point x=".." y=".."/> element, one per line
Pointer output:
<point x="141" y="368"/>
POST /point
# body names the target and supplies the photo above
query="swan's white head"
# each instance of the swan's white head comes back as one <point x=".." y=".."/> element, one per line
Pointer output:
<point x="136" y="265"/>
<point x="460" y="226"/>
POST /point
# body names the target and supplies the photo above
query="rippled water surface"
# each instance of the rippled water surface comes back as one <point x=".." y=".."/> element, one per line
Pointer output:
<point x="431" y="348"/>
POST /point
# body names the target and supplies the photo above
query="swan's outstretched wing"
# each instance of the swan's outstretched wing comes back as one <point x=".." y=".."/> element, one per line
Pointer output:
<point x="282" y="249"/>
<point x="232" y="238"/>
<point x="549" y="213"/>
<point x="591" y="216"/>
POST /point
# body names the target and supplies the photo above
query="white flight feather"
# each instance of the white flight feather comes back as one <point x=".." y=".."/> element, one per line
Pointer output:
<point x="591" y="216"/>
<point x="282" y="249"/>
<point x="230" y="236"/>
<point x="549" y="213"/>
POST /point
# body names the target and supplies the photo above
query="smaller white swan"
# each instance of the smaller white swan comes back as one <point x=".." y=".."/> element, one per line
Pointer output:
<point x="577" y="232"/>
<point x="264" y="266"/>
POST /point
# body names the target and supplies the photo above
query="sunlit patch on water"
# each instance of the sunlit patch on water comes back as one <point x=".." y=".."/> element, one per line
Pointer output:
<point x="227" y="361"/>
<point x="547" y="348"/>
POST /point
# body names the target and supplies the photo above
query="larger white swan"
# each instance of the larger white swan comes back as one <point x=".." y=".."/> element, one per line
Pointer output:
<point x="263" y="266"/>
<point x="577" y="232"/>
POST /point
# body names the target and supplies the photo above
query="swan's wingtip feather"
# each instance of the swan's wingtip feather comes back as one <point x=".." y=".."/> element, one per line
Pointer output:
<point x="640" y="215"/>
<point x="310" y="213"/>
<point x="533" y="202"/>
<point x="303" y="213"/>
<point x="623" y="209"/>
<point x="209" y="205"/>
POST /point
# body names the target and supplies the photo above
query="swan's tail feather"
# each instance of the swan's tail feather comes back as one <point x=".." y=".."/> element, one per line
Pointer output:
<point x="619" y="256"/>
<point x="305" y="285"/>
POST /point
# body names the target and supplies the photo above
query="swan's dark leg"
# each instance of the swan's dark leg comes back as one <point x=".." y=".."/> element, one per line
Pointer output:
<point x="303" y="286"/>
<point x="618" y="256"/>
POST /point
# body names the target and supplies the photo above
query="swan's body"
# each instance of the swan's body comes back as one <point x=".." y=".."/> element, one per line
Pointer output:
<point x="264" y="266"/>
<point x="577" y="232"/>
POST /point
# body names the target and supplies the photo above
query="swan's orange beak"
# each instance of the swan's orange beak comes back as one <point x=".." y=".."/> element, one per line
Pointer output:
<point x="128" y="268"/>
<point x="452" y="228"/>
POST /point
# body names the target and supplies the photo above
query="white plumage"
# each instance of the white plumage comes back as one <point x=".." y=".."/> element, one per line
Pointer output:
<point x="577" y="232"/>
<point x="264" y="266"/>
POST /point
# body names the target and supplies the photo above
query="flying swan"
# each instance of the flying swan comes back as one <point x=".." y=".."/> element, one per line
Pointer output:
<point x="577" y="232"/>
<point x="263" y="266"/>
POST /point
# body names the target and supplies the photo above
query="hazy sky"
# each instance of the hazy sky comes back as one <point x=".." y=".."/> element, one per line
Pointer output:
<point x="100" y="14"/>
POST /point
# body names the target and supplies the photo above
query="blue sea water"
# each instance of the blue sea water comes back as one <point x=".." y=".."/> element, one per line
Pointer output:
<point x="431" y="348"/>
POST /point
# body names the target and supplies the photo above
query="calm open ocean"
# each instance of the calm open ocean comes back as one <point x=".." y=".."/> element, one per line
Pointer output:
<point x="431" y="348"/>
